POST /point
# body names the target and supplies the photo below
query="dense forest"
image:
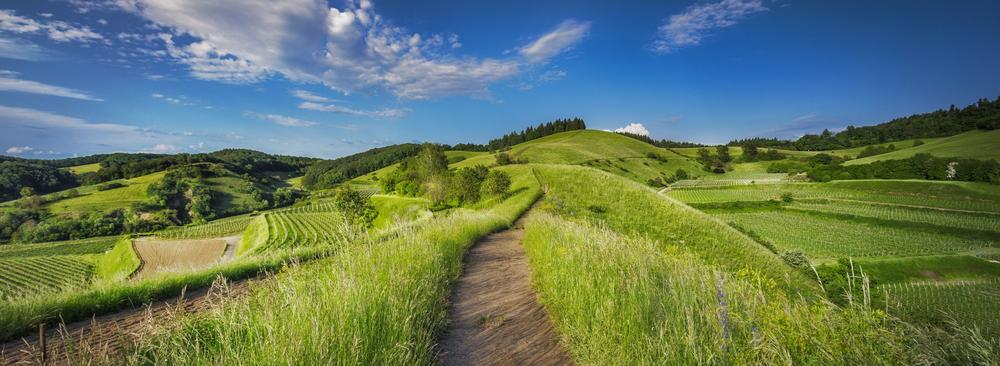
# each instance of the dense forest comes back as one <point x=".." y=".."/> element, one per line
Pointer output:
<point x="664" y="143"/>
<point x="329" y="173"/>
<point x="531" y="133"/>
<point x="17" y="175"/>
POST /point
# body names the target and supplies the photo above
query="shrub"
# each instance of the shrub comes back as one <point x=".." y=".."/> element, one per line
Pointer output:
<point x="497" y="183"/>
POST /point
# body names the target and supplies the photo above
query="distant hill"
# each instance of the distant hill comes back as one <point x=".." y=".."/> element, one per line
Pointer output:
<point x="972" y="145"/>
<point x="983" y="115"/>
<point x="608" y="151"/>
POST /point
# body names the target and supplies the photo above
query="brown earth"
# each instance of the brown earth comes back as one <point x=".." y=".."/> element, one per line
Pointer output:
<point x="176" y="255"/>
<point x="494" y="315"/>
<point x="100" y="339"/>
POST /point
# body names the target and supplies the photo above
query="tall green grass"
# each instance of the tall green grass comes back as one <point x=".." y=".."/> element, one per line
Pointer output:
<point x="370" y="304"/>
<point x="637" y="210"/>
<point x="621" y="300"/>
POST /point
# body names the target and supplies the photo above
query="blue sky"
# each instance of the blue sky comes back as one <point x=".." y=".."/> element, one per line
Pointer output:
<point x="318" y="78"/>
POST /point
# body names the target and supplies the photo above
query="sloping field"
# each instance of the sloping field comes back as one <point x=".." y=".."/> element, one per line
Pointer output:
<point x="825" y="237"/>
<point x="213" y="229"/>
<point x="176" y="255"/>
<point x="86" y="168"/>
<point x="82" y="246"/>
<point x="22" y="277"/>
<point x="631" y="208"/>
<point x="107" y="200"/>
<point x="972" y="144"/>
<point x="980" y="197"/>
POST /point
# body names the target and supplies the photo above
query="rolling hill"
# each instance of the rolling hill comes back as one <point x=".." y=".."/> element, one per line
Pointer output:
<point x="976" y="144"/>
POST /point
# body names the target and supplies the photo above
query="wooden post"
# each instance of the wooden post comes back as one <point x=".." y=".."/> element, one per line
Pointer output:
<point x="41" y="343"/>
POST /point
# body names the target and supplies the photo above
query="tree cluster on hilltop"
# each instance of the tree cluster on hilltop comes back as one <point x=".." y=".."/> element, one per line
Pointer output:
<point x="664" y="143"/>
<point x="542" y="130"/>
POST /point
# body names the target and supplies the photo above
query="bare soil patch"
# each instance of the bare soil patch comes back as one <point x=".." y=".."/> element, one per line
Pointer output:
<point x="494" y="316"/>
<point x="177" y="255"/>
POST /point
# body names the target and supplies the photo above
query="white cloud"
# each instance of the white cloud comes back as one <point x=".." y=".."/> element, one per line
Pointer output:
<point x="35" y="118"/>
<point x="25" y="51"/>
<point x="180" y="100"/>
<point x="348" y="49"/>
<point x="11" y="84"/>
<point x="102" y="21"/>
<point x="162" y="148"/>
<point x="634" y="128"/>
<point x="281" y="120"/>
<point x="18" y="149"/>
<point x="58" y="31"/>
<point x="559" y="40"/>
<point x="380" y="113"/>
<point x="694" y="24"/>
<point x="310" y="97"/>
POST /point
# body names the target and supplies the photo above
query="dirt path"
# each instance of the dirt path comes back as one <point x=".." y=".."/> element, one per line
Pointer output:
<point x="105" y="335"/>
<point x="494" y="316"/>
<point x="231" y="243"/>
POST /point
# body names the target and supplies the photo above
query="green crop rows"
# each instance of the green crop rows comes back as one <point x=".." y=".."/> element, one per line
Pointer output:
<point x="885" y="193"/>
<point x="963" y="220"/>
<point x="21" y="277"/>
<point x="83" y="246"/>
<point x="968" y="302"/>
<point x="291" y="230"/>
<point x="821" y="237"/>
<point x="212" y="229"/>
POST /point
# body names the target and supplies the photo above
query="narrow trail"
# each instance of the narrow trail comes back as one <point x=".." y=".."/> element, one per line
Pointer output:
<point x="494" y="317"/>
<point x="106" y="334"/>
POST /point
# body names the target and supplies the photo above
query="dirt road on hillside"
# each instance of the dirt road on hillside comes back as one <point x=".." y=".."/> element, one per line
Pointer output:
<point x="494" y="316"/>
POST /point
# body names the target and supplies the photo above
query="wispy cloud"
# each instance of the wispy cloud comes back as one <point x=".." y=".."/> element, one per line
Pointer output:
<point x="179" y="100"/>
<point x="379" y="113"/>
<point x="566" y="35"/>
<point x="697" y="21"/>
<point x="58" y="31"/>
<point x="282" y="120"/>
<point x="24" y="51"/>
<point x="11" y="84"/>
<point x="310" y="97"/>
<point x="15" y="116"/>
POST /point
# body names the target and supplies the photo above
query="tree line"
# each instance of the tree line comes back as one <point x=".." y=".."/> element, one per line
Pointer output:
<point x="531" y="133"/>
<point x="664" y="143"/>
<point x="984" y="114"/>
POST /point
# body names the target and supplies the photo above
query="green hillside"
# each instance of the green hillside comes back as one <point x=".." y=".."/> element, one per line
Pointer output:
<point x="133" y="190"/>
<point x="976" y="144"/>
<point x="603" y="150"/>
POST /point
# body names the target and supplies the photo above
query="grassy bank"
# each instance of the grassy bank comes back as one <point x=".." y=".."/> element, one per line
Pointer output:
<point x="637" y="210"/>
<point x="604" y="290"/>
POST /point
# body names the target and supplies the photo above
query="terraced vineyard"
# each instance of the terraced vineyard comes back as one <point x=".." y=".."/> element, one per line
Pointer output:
<point x="286" y="230"/>
<point x="214" y="229"/>
<point x="974" y="221"/>
<point x="733" y="178"/>
<point x="83" y="246"/>
<point x="968" y="302"/>
<point x="902" y="193"/>
<point x="821" y="237"/>
<point x="20" y="277"/>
